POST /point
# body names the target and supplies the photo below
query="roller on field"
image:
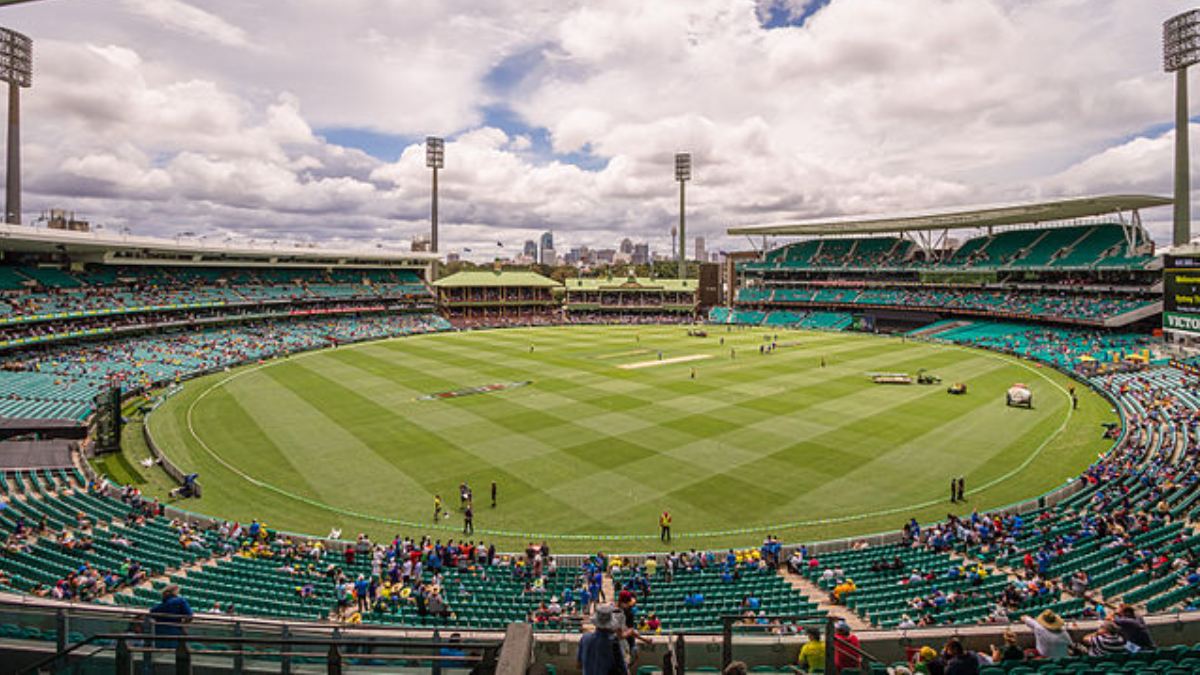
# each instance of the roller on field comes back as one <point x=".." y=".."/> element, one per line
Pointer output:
<point x="925" y="377"/>
<point x="1019" y="396"/>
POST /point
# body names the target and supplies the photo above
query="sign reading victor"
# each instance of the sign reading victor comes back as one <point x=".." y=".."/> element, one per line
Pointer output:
<point x="1181" y="294"/>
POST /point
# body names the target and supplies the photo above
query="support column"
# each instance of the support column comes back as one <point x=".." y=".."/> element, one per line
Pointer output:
<point x="1183" y="202"/>
<point x="682" y="233"/>
<point x="12" y="194"/>
<point x="433" y="216"/>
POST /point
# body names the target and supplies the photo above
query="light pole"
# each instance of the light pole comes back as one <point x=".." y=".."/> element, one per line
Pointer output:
<point x="683" y="173"/>
<point x="435" y="154"/>
<point x="16" y="68"/>
<point x="1181" y="48"/>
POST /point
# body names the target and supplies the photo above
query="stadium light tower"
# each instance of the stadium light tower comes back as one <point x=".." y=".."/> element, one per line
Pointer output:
<point x="1181" y="48"/>
<point x="435" y="154"/>
<point x="683" y="173"/>
<point x="16" y="68"/>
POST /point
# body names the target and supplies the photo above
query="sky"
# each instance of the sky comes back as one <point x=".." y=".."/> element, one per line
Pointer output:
<point x="304" y="120"/>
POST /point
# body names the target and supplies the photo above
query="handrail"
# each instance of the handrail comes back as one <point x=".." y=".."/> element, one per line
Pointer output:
<point x="53" y="658"/>
<point x="152" y="639"/>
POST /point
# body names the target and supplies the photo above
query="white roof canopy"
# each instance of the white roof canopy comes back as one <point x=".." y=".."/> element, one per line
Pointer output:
<point x="962" y="217"/>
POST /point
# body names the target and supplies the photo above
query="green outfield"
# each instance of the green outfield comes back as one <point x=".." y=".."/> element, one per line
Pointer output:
<point x="605" y="436"/>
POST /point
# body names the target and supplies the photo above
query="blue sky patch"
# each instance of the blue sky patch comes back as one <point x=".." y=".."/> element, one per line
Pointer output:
<point x="381" y="146"/>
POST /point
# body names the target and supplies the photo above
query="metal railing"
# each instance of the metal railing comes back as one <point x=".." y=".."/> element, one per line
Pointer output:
<point x="772" y="625"/>
<point x="128" y="649"/>
<point x="80" y="634"/>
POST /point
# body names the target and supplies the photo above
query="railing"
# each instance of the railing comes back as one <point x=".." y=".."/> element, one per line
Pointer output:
<point x="106" y="639"/>
<point x="772" y="625"/>
<point x="124" y="651"/>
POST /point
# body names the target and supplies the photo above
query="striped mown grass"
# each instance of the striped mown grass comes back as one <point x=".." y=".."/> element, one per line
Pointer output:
<point x="589" y="453"/>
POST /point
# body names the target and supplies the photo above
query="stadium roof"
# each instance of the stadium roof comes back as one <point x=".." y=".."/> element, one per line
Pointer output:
<point x="630" y="283"/>
<point x="133" y="250"/>
<point x="963" y="217"/>
<point x="493" y="279"/>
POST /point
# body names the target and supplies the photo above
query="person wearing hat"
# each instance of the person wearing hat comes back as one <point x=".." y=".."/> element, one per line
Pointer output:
<point x="664" y="526"/>
<point x="929" y="662"/>
<point x="625" y="602"/>
<point x="1049" y="635"/>
<point x="846" y="652"/>
<point x="600" y="651"/>
<point x="170" y="615"/>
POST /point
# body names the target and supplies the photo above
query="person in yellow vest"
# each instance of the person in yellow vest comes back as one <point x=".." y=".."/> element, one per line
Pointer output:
<point x="842" y="590"/>
<point x="437" y="507"/>
<point x="664" y="526"/>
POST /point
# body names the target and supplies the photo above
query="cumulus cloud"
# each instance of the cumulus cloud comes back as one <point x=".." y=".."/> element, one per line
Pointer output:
<point x="181" y="16"/>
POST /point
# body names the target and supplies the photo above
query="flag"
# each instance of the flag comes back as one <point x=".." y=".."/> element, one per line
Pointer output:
<point x="500" y="244"/>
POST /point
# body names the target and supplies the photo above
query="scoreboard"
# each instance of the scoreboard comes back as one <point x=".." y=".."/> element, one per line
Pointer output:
<point x="1181" y="294"/>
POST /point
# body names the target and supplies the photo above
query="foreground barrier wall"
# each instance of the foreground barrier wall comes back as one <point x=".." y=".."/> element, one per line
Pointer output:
<point x="559" y="651"/>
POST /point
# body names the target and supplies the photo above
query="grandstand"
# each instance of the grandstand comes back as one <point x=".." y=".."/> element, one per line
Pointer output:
<point x="1077" y="297"/>
<point x="630" y="300"/>
<point x="498" y="298"/>
<point x="1062" y="262"/>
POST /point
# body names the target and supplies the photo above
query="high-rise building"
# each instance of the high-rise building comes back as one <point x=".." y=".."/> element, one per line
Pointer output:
<point x="547" y="256"/>
<point x="627" y="246"/>
<point x="530" y="249"/>
<point x="701" y="254"/>
<point x="641" y="254"/>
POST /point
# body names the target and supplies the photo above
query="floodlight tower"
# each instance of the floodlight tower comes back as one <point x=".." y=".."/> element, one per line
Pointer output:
<point x="435" y="153"/>
<point x="683" y="173"/>
<point x="16" y="68"/>
<point x="1181" y="48"/>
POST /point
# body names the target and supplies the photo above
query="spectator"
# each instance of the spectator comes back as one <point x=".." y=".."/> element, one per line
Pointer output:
<point x="959" y="661"/>
<point x="812" y="654"/>
<point x="600" y="651"/>
<point x="929" y="662"/>
<point x="1050" y="635"/>
<point x="1133" y="628"/>
<point x="1106" y="641"/>
<point x="453" y="653"/>
<point x="846" y="649"/>
<point x="1011" y="650"/>
<point x="170" y="615"/>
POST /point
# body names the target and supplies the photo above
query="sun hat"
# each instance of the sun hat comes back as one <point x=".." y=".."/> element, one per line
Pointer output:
<point x="928" y="654"/>
<point x="607" y="617"/>
<point x="1050" y="621"/>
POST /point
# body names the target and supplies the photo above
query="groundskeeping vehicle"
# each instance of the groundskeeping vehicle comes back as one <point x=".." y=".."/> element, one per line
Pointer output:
<point x="1019" y="396"/>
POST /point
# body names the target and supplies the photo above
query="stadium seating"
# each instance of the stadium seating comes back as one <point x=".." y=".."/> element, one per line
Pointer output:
<point x="1077" y="247"/>
<point x="727" y="590"/>
<point x="45" y="293"/>
<point x="1068" y="305"/>
<point x="1064" y="348"/>
<point x="841" y="253"/>
<point x="781" y="319"/>
<point x="61" y="383"/>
